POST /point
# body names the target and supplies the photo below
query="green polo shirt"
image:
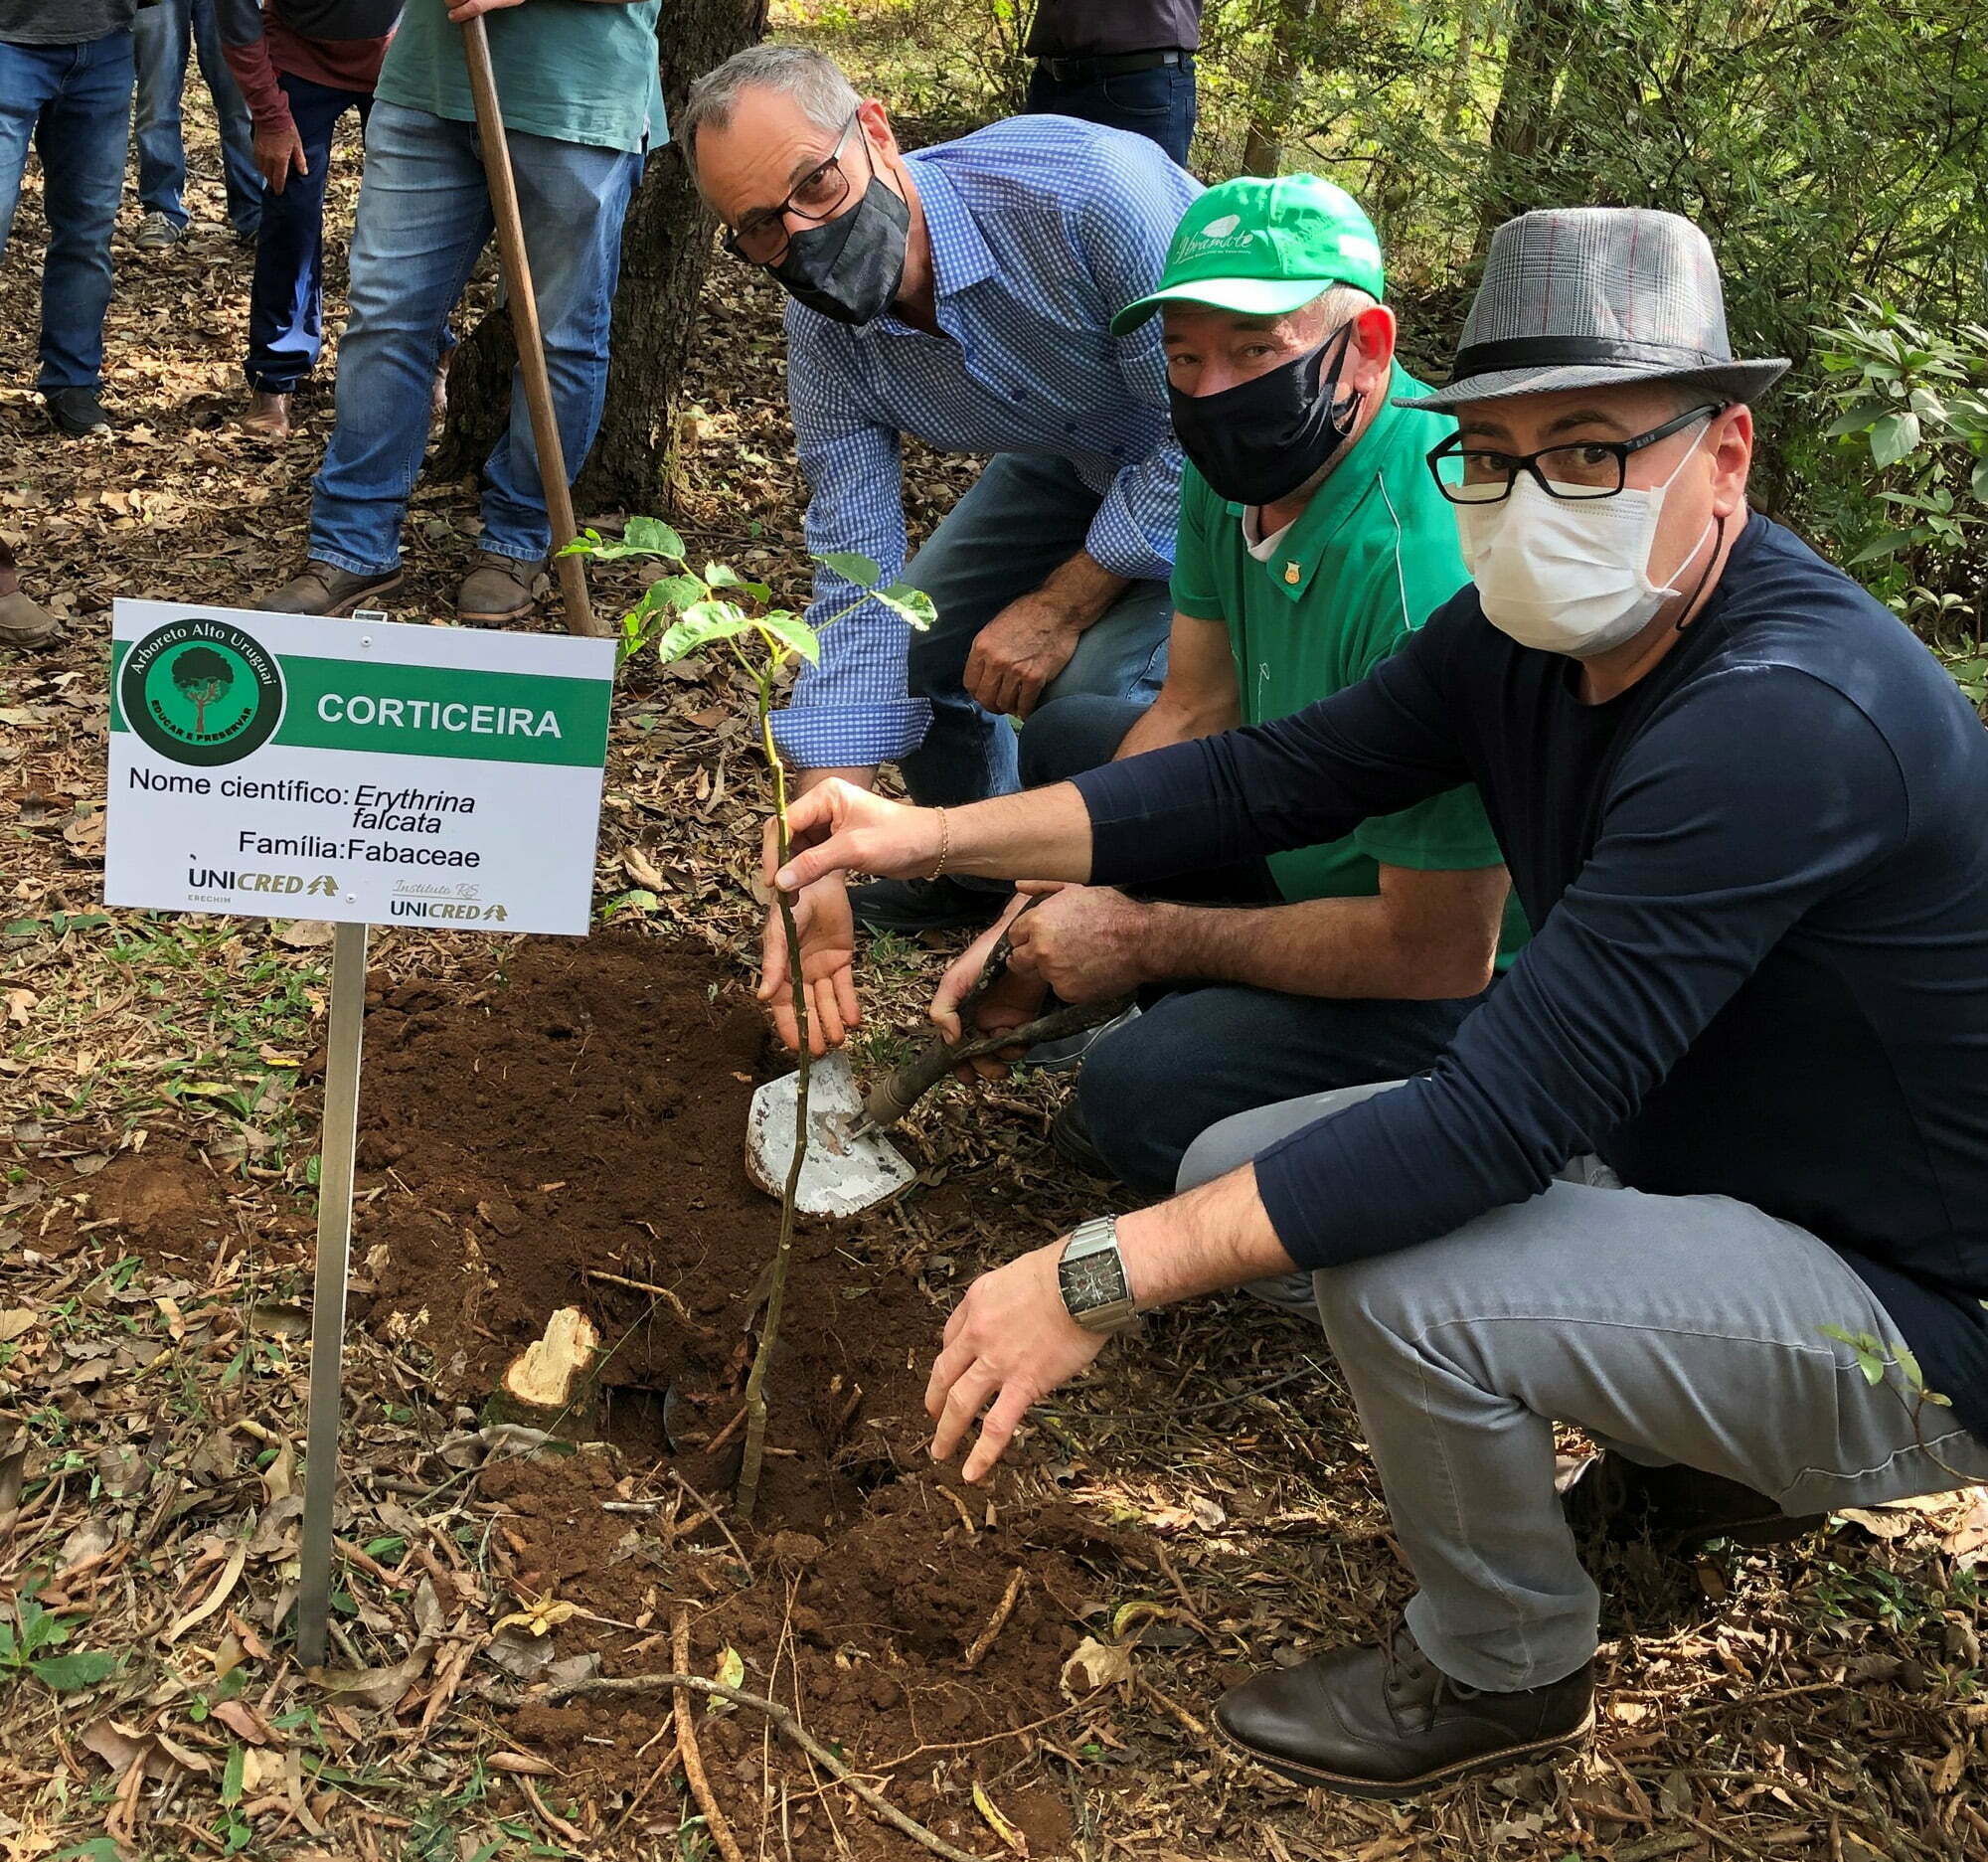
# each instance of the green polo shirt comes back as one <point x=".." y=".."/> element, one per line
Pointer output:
<point x="1371" y="557"/>
<point x="575" y="71"/>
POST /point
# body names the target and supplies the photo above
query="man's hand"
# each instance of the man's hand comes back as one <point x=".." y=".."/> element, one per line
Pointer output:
<point x="280" y="153"/>
<point x="1010" y="1000"/>
<point x="837" y="827"/>
<point x="828" y="968"/>
<point x="1087" y="942"/>
<point x="1012" y="1340"/>
<point x="463" y="11"/>
<point x="1019" y="652"/>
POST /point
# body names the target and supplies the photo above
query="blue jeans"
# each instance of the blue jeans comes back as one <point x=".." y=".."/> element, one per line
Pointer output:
<point x="1202" y="1053"/>
<point x="423" y="217"/>
<point x="73" y="104"/>
<point x="1024" y="514"/>
<point x="163" y="32"/>
<point x="1158" y="103"/>
<point x="286" y="300"/>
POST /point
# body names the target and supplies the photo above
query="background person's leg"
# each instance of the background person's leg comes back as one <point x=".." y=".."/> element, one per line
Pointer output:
<point x="1200" y="1055"/>
<point x="29" y="76"/>
<point x="572" y="198"/>
<point x="81" y="137"/>
<point x="286" y="300"/>
<point x="161" y="37"/>
<point x="423" y="217"/>
<point x="1025" y="515"/>
<point x="242" y="178"/>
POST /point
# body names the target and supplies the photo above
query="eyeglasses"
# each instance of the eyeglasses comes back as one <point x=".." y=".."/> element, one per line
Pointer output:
<point x="761" y="238"/>
<point x="1594" y="468"/>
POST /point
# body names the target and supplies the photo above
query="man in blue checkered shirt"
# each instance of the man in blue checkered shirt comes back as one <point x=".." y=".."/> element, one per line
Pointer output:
<point x="962" y="294"/>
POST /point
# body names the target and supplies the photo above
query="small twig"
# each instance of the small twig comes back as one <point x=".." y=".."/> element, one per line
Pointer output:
<point x="559" y="1826"/>
<point x="711" y="1513"/>
<point x="997" y="1622"/>
<point x="640" y="1287"/>
<point x="726" y="1433"/>
<point x="784" y="1723"/>
<point x="693" y="1759"/>
<point x="655" y="1777"/>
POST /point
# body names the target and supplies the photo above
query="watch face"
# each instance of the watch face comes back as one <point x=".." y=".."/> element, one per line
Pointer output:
<point x="1091" y="1281"/>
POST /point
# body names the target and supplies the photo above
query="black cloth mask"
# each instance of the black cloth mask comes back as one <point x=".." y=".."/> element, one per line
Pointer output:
<point x="850" y="268"/>
<point x="1261" y="440"/>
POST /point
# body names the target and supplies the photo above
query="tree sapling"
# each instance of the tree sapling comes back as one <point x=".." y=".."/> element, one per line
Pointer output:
<point x="680" y="615"/>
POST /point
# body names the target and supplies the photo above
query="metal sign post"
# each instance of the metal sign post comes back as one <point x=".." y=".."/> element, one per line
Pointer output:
<point x="334" y="1258"/>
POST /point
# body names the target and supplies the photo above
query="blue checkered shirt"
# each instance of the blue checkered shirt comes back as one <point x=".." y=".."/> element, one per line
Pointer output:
<point x="1042" y="228"/>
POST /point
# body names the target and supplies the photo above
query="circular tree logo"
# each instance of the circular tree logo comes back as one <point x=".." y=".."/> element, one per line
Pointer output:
<point x="201" y="692"/>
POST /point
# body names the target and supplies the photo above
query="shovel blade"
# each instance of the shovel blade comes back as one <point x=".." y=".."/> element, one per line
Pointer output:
<point x="842" y="1176"/>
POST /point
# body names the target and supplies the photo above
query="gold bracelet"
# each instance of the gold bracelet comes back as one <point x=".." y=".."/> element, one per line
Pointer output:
<point x="944" y="844"/>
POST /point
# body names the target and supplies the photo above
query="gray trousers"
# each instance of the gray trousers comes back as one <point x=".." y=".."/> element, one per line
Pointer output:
<point x="1671" y="1328"/>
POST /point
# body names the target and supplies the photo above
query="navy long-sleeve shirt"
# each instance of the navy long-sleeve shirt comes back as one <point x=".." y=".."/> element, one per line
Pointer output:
<point x="1759" y="881"/>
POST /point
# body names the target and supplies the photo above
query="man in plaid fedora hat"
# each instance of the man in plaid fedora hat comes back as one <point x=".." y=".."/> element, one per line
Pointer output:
<point x="1717" y="1143"/>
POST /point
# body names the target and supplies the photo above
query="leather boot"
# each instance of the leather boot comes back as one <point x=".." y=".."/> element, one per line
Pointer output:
<point x="499" y="587"/>
<point x="1386" y="1722"/>
<point x="320" y="589"/>
<point x="267" y="415"/>
<point x="25" y="624"/>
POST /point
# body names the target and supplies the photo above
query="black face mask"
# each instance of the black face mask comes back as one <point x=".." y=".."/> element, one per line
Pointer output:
<point x="1261" y="440"/>
<point x="850" y="269"/>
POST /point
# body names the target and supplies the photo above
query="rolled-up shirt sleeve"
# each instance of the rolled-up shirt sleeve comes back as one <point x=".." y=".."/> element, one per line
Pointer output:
<point x="852" y="707"/>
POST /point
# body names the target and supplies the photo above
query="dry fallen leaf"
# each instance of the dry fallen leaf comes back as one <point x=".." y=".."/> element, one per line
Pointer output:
<point x="1097" y="1664"/>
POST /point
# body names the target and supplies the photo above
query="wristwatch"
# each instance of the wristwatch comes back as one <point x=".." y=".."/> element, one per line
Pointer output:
<point x="1091" y="1275"/>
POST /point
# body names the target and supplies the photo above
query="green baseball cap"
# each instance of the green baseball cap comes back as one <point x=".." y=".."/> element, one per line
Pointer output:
<point x="1263" y="248"/>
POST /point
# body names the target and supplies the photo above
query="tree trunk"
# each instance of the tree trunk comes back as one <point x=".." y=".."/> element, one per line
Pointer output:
<point x="1542" y="37"/>
<point x="1291" y="36"/>
<point x="666" y="243"/>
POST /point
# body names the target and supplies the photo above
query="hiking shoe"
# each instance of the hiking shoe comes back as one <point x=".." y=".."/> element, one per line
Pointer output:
<point x="77" y="412"/>
<point x="1677" y="1508"/>
<point x="1059" y="1057"/>
<point x="157" y="232"/>
<point x="500" y="587"/>
<point x="1070" y="1139"/>
<point x="320" y="589"/>
<point x="25" y="624"/>
<point x="1386" y="1722"/>
<point x="267" y="415"/>
<point x="909" y="907"/>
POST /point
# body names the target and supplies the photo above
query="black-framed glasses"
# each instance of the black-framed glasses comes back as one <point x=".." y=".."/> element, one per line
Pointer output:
<point x="761" y="238"/>
<point x="1590" y="468"/>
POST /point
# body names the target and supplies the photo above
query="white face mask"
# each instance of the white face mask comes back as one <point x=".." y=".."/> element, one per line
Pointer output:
<point x="1569" y="576"/>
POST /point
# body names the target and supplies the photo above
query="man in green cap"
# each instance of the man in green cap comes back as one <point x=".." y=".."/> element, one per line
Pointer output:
<point x="1312" y="541"/>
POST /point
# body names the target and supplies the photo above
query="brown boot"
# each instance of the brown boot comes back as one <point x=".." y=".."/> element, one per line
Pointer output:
<point x="1386" y="1722"/>
<point x="24" y="624"/>
<point x="320" y="589"/>
<point x="499" y="587"/>
<point x="268" y="416"/>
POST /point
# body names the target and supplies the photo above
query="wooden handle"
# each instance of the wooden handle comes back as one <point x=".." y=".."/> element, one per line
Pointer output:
<point x="496" y="151"/>
<point x="894" y="1096"/>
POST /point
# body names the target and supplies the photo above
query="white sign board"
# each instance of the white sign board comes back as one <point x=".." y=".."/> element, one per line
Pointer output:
<point x="282" y="765"/>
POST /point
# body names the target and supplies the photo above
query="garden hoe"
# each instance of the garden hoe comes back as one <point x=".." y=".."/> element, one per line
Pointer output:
<point x="851" y="1165"/>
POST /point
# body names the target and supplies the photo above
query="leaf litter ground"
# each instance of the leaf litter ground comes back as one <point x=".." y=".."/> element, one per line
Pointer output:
<point x="538" y="1116"/>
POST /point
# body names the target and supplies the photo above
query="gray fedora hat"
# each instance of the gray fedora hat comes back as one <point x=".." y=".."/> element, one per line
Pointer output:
<point x="1594" y="296"/>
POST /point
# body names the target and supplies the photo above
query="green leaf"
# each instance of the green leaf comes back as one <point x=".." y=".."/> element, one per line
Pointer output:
<point x="794" y="634"/>
<point x="851" y="568"/>
<point x="722" y="576"/>
<point x="652" y="536"/>
<point x="1893" y="439"/>
<point x="232" y="1774"/>
<point x="97" y="1849"/>
<point x="39" y="1629"/>
<point x="1978" y="480"/>
<point x="702" y="623"/>
<point x="910" y="605"/>
<point x="67" y="1673"/>
<point x="1856" y="420"/>
<point x="1872" y="1366"/>
<point x="1890" y="544"/>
